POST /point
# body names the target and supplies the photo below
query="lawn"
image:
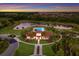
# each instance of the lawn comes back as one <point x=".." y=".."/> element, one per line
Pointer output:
<point x="9" y="30"/>
<point x="32" y="41"/>
<point x="48" y="51"/>
<point x="24" y="50"/>
<point x="43" y="41"/>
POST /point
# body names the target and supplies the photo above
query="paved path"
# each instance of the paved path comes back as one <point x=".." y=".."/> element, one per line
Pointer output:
<point x="38" y="41"/>
<point x="55" y="41"/>
<point x="17" y="39"/>
<point x="10" y="50"/>
<point x="39" y="52"/>
<point x="38" y="49"/>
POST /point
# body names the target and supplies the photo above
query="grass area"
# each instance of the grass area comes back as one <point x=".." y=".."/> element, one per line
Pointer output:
<point x="3" y="45"/>
<point x="48" y="51"/>
<point x="32" y="41"/>
<point x="24" y="50"/>
<point x="9" y="30"/>
<point x="43" y="41"/>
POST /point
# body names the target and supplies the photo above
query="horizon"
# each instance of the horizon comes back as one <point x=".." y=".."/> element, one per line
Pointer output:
<point x="39" y="7"/>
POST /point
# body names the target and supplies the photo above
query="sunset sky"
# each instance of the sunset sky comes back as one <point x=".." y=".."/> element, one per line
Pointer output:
<point x="38" y="7"/>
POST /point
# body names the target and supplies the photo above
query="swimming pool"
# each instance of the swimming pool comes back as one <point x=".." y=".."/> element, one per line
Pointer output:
<point x="39" y="29"/>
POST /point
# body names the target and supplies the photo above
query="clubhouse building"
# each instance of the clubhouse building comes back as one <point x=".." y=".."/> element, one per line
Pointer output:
<point x="38" y="33"/>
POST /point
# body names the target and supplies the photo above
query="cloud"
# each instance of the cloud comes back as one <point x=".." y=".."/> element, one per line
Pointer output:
<point x="14" y="6"/>
<point x="64" y="7"/>
<point x="37" y="7"/>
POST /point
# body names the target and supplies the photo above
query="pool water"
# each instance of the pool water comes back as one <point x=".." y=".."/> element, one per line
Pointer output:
<point x="39" y="29"/>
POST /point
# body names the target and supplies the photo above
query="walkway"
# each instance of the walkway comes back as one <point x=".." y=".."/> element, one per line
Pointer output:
<point x="17" y="39"/>
<point x="54" y="42"/>
<point x="38" y="50"/>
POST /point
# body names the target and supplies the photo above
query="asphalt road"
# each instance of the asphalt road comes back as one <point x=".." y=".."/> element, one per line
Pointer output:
<point x="10" y="50"/>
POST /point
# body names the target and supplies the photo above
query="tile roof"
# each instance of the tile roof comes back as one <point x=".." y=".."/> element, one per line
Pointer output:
<point x="32" y="34"/>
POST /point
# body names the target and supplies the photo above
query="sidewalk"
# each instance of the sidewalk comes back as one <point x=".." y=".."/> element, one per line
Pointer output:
<point x="38" y="51"/>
